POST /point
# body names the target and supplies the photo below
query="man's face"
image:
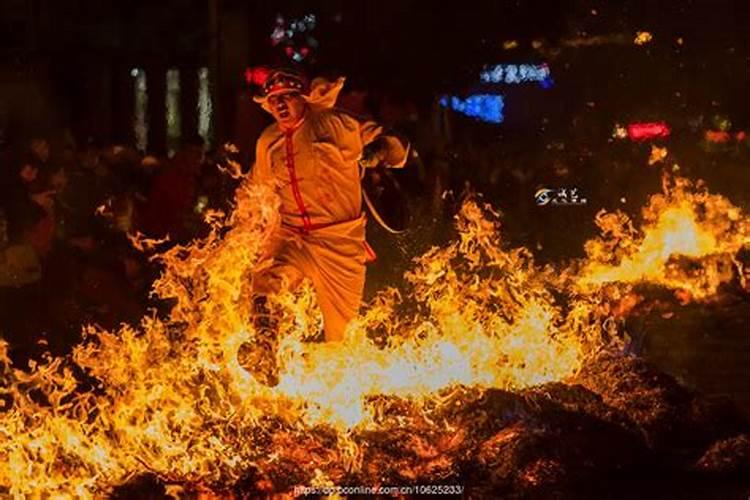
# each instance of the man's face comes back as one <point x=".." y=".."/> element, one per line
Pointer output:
<point x="287" y="108"/>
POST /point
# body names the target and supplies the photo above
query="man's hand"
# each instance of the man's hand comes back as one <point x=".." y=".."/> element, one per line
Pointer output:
<point x="373" y="154"/>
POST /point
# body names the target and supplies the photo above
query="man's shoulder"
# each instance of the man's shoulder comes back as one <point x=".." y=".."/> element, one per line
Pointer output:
<point x="269" y="134"/>
<point x="337" y="117"/>
<point x="271" y="130"/>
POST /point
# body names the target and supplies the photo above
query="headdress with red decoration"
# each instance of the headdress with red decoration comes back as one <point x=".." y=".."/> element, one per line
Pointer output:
<point x="321" y="93"/>
<point x="283" y="81"/>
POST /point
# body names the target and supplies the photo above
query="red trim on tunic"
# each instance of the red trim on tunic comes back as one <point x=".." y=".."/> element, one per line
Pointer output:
<point x="306" y="222"/>
<point x="307" y="225"/>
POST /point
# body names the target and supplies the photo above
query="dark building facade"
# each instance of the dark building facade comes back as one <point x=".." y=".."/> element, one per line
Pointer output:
<point x="74" y="67"/>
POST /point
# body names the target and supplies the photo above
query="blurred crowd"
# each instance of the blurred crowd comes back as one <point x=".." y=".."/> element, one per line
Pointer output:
<point x="65" y="217"/>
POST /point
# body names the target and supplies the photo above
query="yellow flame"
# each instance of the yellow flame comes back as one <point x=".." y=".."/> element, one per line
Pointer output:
<point x="169" y="398"/>
<point x="685" y="221"/>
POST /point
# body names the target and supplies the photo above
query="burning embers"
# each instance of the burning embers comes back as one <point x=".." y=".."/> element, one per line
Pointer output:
<point x="169" y="398"/>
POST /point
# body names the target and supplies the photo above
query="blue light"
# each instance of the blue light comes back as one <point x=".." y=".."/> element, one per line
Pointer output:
<point x="486" y="107"/>
<point x="513" y="74"/>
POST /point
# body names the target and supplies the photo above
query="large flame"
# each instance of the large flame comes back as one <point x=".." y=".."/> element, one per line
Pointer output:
<point x="683" y="221"/>
<point x="168" y="397"/>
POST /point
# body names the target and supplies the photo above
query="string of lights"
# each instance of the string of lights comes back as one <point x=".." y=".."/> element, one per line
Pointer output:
<point x="296" y="35"/>
<point x="513" y="74"/>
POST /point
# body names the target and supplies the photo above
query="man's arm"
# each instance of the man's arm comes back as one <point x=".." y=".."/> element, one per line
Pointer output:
<point x="381" y="147"/>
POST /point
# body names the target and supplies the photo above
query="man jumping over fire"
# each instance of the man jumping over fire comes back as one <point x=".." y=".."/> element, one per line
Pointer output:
<point x="312" y="156"/>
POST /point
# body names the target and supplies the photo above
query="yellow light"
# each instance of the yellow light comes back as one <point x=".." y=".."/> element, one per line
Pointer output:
<point x="643" y="37"/>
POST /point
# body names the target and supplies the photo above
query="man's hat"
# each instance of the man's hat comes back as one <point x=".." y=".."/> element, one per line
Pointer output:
<point x="321" y="93"/>
<point x="282" y="81"/>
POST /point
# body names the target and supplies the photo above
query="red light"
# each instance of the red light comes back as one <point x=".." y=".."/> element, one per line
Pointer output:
<point x="649" y="130"/>
<point x="257" y="75"/>
<point x="717" y="136"/>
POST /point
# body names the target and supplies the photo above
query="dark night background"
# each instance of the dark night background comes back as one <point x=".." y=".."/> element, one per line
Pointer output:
<point x="65" y="75"/>
<point x="67" y="63"/>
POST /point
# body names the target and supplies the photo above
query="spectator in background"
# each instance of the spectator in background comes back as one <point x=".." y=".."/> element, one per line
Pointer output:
<point x="40" y="152"/>
<point x="215" y="187"/>
<point x="20" y="260"/>
<point x="30" y="210"/>
<point x="168" y="209"/>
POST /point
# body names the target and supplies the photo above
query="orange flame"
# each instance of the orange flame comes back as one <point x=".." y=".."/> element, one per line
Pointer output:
<point x="685" y="220"/>
<point x="169" y="397"/>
